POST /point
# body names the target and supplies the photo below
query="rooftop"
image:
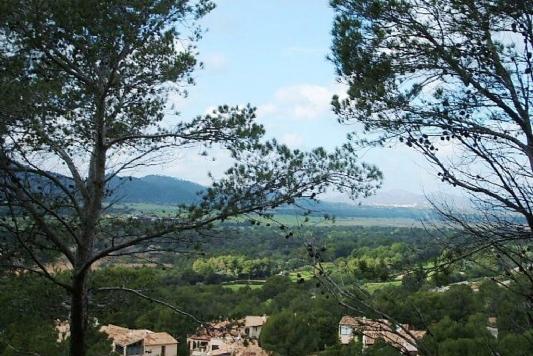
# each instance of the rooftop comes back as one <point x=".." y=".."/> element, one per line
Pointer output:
<point x="251" y="320"/>
<point x="161" y="338"/>
<point x="402" y="337"/>
<point x="124" y="336"/>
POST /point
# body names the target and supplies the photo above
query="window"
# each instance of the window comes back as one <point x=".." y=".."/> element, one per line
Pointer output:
<point x="214" y="347"/>
<point x="346" y="330"/>
<point x="163" y="349"/>
<point x="134" y="349"/>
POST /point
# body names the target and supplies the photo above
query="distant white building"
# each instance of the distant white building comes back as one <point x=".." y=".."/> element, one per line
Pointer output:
<point x="228" y="338"/>
<point x="369" y="331"/>
<point x="492" y="326"/>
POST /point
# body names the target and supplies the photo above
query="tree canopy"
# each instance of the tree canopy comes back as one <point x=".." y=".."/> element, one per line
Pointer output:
<point x="452" y="80"/>
<point x="86" y="85"/>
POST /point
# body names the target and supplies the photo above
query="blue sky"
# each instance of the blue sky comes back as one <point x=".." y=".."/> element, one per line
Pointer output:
<point x="272" y="54"/>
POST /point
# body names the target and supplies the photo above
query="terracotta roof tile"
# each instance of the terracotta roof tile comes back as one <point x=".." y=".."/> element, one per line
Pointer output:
<point x="160" y="338"/>
<point x="124" y="336"/>
<point x="375" y="329"/>
<point x="251" y="320"/>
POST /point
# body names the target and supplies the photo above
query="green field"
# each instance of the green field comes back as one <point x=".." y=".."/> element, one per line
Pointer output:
<point x="289" y="220"/>
<point x="295" y="220"/>
<point x="237" y="286"/>
<point x="372" y="287"/>
<point x="146" y="209"/>
<point x="306" y="274"/>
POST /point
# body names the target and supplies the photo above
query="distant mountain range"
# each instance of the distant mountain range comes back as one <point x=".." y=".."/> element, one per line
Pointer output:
<point x="158" y="189"/>
<point x="405" y="199"/>
<point x="155" y="189"/>
<point x="164" y="190"/>
<point x="396" y="198"/>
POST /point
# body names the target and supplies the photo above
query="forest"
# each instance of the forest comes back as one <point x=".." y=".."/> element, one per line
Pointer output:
<point x="249" y="270"/>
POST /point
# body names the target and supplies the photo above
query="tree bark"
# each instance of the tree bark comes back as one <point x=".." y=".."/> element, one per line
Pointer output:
<point x="93" y="208"/>
<point x="530" y="152"/>
<point x="79" y="316"/>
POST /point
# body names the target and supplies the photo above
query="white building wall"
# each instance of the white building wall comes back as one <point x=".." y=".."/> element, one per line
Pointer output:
<point x="345" y="334"/>
<point x="254" y="332"/>
<point x="170" y="350"/>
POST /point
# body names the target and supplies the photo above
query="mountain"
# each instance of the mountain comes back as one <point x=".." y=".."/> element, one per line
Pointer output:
<point x="396" y="198"/>
<point x="158" y="189"/>
<point x="155" y="189"/>
<point x="345" y="210"/>
<point x="164" y="190"/>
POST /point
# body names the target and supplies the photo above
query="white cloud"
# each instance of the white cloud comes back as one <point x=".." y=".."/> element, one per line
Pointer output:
<point x="293" y="140"/>
<point x="176" y="101"/>
<point x="300" y="102"/>
<point x="266" y="110"/>
<point x="190" y="164"/>
<point x="210" y="110"/>
<point x="304" y="101"/>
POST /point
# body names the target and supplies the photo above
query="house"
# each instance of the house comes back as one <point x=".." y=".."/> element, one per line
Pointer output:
<point x="492" y="327"/>
<point x="62" y="328"/>
<point x="223" y="346"/>
<point x="474" y="285"/>
<point x="135" y="342"/>
<point x="228" y="338"/>
<point x="201" y="345"/>
<point x="210" y="339"/>
<point x="253" y="325"/>
<point x="402" y="337"/>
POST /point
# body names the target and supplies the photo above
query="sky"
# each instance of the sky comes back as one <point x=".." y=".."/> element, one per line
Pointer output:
<point x="272" y="55"/>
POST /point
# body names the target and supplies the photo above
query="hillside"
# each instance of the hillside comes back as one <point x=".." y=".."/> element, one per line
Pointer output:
<point x="164" y="190"/>
<point x="158" y="189"/>
<point x="344" y="210"/>
<point x="155" y="189"/>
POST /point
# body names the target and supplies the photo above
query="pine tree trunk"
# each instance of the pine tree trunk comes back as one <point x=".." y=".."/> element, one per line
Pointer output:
<point x="78" y="316"/>
<point x="96" y="187"/>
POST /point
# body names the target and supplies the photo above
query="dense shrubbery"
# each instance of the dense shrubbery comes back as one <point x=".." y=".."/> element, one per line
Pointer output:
<point x="457" y="318"/>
